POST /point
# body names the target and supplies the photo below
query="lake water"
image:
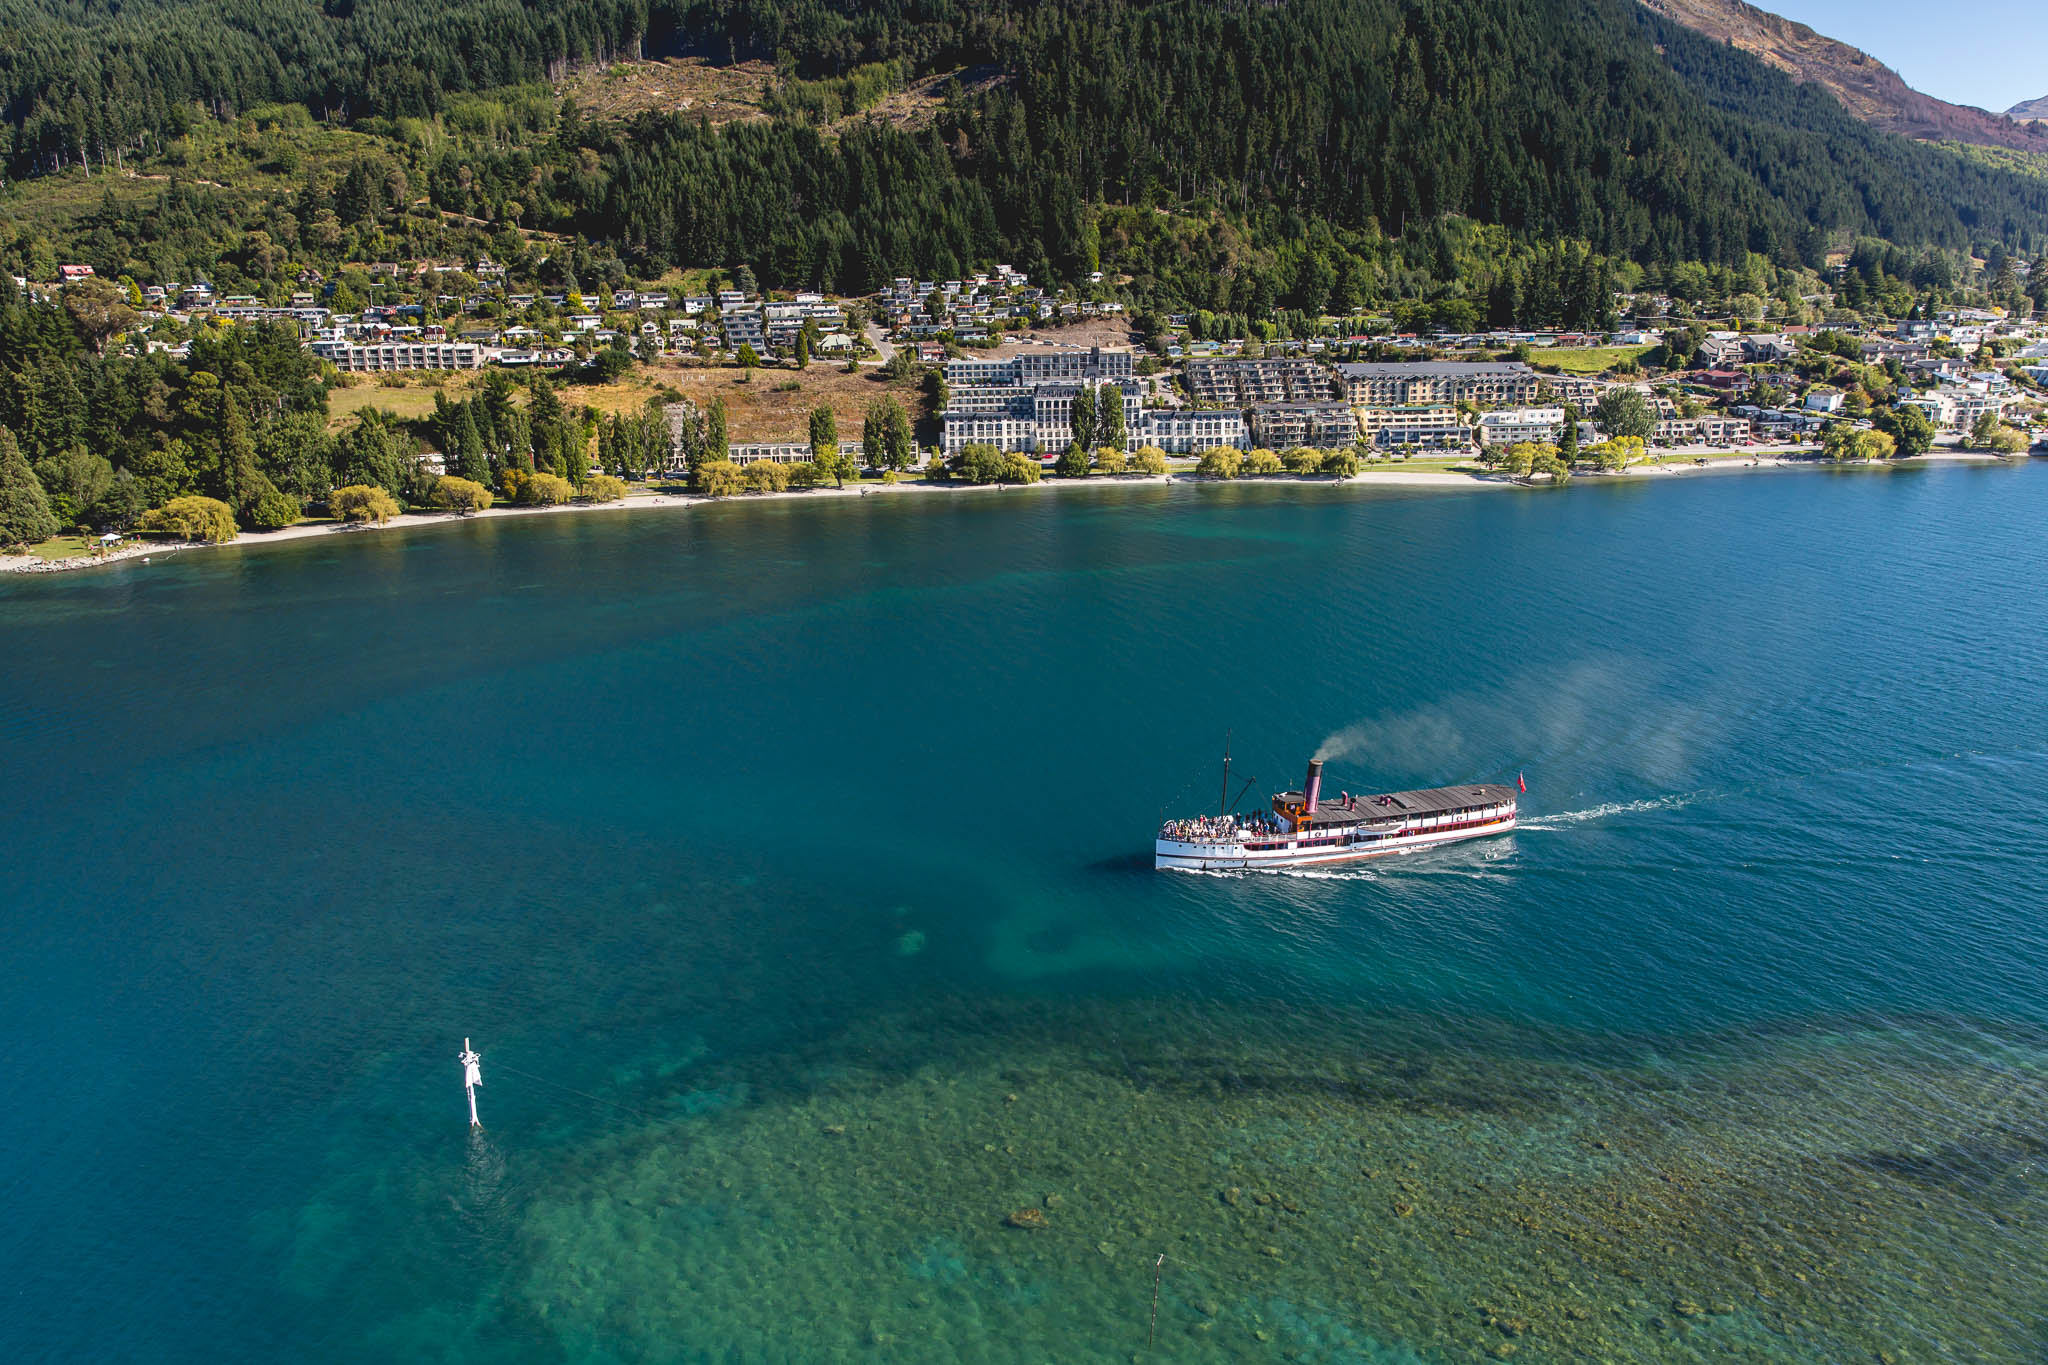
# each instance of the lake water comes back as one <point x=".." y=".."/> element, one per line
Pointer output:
<point x="789" y="865"/>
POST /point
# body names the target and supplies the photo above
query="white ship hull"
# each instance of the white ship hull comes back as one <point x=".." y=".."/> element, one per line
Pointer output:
<point x="1249" y="852"/>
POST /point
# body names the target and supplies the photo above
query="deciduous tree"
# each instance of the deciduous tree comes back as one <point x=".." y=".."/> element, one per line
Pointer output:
<point x="719" y="479"/>
<point x="199" y="518"/>
<point x="363" y="502"/>
<point x="454" y="493"/>
<point x="766" y="476"/>
<point x="1624" y="412"/>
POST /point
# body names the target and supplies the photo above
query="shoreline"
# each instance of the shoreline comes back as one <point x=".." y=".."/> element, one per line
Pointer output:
<point x="1442" y="480"/>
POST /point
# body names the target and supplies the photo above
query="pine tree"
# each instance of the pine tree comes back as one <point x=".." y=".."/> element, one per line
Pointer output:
<point x="1083" y="420"/>
<point x="470" y="461"/>
<point x="716" y="447"/>
<point x="824" y="438"/>
<point x="1109" y="417"/>
<point x="24" y="509"/>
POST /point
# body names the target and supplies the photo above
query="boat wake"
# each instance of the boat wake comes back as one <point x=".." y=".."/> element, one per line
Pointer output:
<point x="1560" y="819"/>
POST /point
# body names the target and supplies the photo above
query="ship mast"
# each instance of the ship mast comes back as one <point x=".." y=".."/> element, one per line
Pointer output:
<point x="1223" y="801"/>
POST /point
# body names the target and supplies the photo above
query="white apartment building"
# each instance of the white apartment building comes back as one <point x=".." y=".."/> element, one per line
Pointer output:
<point x="1182" y="431"/>
<point x="1510" y="425"/>
<point x="400" y="355"/>
<point x="1436" y="426"/>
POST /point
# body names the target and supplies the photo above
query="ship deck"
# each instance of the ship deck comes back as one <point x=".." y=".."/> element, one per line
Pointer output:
<point x="1401" y="805"/>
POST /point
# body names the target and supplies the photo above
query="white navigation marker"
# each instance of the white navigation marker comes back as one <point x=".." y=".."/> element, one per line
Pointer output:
<point x="472" y="1077"/>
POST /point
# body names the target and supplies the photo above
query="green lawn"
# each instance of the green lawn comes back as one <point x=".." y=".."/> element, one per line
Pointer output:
<point x="62" y="547"/>
<point x="1586" y="360"/>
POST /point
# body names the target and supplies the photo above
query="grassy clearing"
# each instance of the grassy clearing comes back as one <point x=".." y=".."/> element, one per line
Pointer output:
<point x="628" y="396"/>
<point x="763" y="408"/>
<point x="413" y="399"/>
<point x="1587" y="359"/>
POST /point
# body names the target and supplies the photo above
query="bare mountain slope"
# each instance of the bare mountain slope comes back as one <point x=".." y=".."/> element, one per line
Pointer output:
<point x="1871" y="90"/>
<point x="2029" y="109"/>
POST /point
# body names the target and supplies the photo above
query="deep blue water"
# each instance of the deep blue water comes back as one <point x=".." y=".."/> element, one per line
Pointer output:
<point x="666" y="809"/>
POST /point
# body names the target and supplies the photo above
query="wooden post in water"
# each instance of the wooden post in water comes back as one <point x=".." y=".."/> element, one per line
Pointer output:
<point x="1152" y="1333"/>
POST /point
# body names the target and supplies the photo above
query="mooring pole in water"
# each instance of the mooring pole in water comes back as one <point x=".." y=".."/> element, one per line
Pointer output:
<point x="1152" y="1333"/>
<point x="472" y="1077"/>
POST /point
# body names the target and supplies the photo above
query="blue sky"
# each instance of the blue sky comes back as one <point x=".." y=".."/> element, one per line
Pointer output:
<point x="1990" y="53"/>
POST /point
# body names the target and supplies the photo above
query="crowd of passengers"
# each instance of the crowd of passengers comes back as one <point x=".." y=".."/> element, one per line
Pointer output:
<point x="1208" y="828"/>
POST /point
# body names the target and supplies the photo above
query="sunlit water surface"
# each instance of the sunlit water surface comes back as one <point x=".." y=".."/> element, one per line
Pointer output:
<point x="789" y="865"/>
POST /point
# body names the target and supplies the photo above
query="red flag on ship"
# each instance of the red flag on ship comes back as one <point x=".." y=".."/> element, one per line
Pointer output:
<point x="1520" y="784"/>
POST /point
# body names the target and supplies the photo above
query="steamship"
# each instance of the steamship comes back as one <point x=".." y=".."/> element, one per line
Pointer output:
<point x="1304" y="829"/>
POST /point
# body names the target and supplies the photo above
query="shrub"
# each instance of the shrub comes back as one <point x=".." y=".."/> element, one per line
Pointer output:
<point x="604" y="488"/>
<point x="1220" y="462"/>
<point x="765" y="476"/>
<point x="1149" y="460"/>
<point x="362" y="502"/>
<point x="1262" y="462"/>
<point x="808" y="474"/>
<point x="196" y="518"/>
<point x="461" y="496"/>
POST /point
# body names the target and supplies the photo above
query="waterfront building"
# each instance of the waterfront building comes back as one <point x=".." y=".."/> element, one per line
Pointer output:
<point x="1322" y="425"/>
<point x="1435" y="426"/>
<point x="1182" y="431"/>
<point x="1411" y="383"/>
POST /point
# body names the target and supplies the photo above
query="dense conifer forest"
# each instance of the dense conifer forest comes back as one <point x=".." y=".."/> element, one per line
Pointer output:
<point x="1317" y="130"/>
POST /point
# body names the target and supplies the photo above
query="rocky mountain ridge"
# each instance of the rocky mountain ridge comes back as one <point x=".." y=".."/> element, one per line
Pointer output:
<point x="1867" y="87"/>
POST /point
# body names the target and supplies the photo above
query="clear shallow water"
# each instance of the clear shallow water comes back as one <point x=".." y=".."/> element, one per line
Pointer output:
<point x="767" y="852"/>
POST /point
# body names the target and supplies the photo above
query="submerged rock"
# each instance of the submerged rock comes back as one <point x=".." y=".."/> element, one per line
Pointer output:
<point x="1028" y="1218"/>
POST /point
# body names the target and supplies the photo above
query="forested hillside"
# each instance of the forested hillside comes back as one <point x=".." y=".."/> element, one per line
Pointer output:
<point x="1345" y="121"/>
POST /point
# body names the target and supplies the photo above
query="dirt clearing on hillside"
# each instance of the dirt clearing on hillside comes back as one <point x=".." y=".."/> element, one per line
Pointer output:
<point x="766" y="409"/>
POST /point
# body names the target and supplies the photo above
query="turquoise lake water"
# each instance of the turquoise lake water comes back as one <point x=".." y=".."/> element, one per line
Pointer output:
<point x="789" y="865"/>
